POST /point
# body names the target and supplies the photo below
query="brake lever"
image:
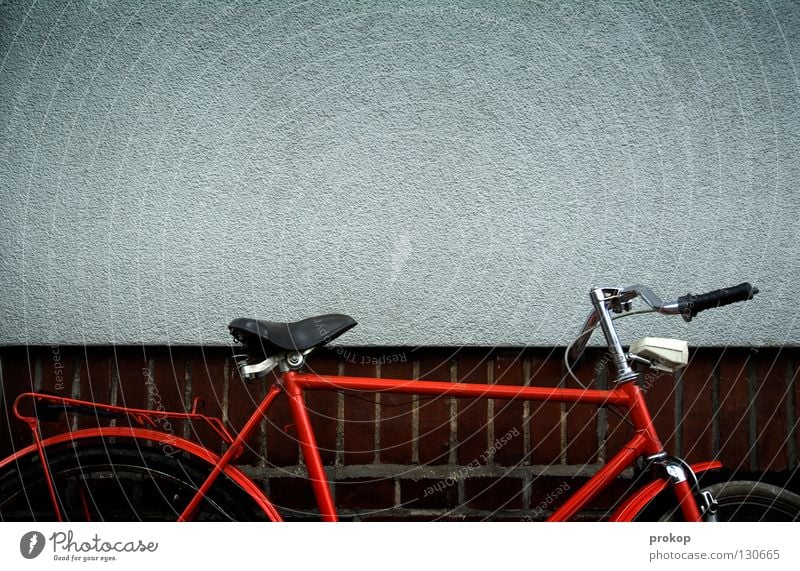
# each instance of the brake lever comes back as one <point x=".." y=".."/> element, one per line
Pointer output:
<point x="655" y="302"/>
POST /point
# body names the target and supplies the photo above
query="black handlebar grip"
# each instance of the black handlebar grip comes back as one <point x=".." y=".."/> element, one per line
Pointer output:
<point x="690" y="305"/>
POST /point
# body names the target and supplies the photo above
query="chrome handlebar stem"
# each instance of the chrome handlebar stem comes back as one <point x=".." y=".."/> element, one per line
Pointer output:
<point x="604" y="301"/>
<point x="601" y="298"/>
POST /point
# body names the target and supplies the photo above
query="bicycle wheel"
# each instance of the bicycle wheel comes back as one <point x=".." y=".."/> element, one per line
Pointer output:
<point x="749" y="501"/>
<point x="118" y="482"/>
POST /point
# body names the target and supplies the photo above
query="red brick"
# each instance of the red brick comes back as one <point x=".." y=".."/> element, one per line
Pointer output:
<point x="129" y="363"/>
<point x="609" y="497"/>
<point x="428" y="493"/>
<point x="698" y="410"/>
<point x="243" y="399"/>
<point x="793" y="370"/>
<point x="545" y="416"/>
<point x="95" y="381"/>
<point x="57" y="370"/>
<point x="508" y="370"/>
<point x="323" y="405"/>
<point x="771" y="400"/>
<point x="365" y="493"/>
<point x="169" y="380"/>
<point x="207" y="370"/>
<point x="57" y="381"/>
<point x="660" y="398"/>
<point x="617" y="431"/>
<point x="168" y="386"/>
<point x="396" y="410"/>
<point x="549" y="492"/>
<point x="734" y="409"/>
<point x="472" y="422"/>
<point x="493" y="493"/>
<point x="17" y="378"/>
<point x="292" y="494"/>
<point x="269" y="443"/>
<point x="359" y="412"/>
<point x="581" y="444"/>
<point x="434" y="411"/>
<point x="281" y="435"/>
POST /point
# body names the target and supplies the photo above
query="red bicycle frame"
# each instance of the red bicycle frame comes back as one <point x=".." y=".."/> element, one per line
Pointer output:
<point x="628" y="396"/>
<point x="645" y="442"/>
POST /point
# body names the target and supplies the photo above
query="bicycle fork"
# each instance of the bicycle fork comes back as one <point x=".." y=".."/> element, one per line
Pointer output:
<point x="695" y="505"/>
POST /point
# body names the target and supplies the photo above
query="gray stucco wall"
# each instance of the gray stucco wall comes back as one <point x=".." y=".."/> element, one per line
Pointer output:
<point x="447" y="173"/>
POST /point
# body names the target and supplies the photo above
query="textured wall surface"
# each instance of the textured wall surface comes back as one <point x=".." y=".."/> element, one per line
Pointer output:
<point x="447" y="173"/>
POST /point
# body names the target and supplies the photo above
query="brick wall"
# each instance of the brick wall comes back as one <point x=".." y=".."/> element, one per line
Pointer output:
<point x="399" y="456"/>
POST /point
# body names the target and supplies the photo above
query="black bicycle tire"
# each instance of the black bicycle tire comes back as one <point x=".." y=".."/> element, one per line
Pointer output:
<point x="748" y="501"/>
<point x="23" y="484"/>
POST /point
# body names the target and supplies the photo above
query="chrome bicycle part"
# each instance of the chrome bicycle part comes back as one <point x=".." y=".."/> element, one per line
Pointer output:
<point x="656" y="303"/>
<point x="602" y="300"/>
<point x="295" y="360"/>
<point x="606" y="300"/>
<point x="253" y="371"/>
<point x="708" y="506"/>
<point x="675" y="472"/>
<point x="678" y="470"/>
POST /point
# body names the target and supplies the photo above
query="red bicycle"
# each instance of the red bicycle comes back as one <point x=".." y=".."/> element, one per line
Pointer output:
<point x="137" y="470"/>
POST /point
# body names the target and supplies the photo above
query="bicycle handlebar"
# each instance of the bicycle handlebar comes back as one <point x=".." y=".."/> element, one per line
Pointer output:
<point x="687" y="306"/>
<point x="690" y="305"/>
